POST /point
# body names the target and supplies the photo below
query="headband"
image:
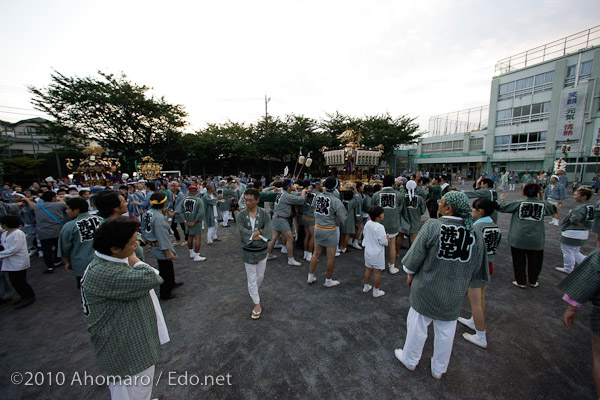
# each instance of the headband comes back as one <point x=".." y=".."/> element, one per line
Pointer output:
<point x="288" y="185"/>
<point x="158" y="202"/>
<point x="333" y="188"/>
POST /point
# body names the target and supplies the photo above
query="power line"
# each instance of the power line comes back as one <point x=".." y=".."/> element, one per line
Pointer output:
<point x="19" y="108"/>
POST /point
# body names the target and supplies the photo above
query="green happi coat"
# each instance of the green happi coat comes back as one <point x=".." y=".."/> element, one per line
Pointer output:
<point x="120" y="316"/>
<point x="192" y="210"/>
<point x="583" y="284"/>
<point x="254" y="251"/>
<point x="411" y="211"/>
<point x="155" y="228"/>
<point x="77" y="239"/>
<point x="209" y="211"/>
<point x="347" y="226"/>
<point x="584" y="214"/>
<point x="527" y="230"/>
<point x="435" y="194"/>
<point x="391" y="201"/>
<point x="489" y="194"/>
<point x="444" y="258"/>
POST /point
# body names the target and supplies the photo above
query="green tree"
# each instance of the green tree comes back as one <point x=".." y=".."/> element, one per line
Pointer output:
<point x="21" y="166"/>
<point x="118" y="114"/>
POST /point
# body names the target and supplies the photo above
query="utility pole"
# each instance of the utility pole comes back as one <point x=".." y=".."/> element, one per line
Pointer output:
<point x="267" y="100"/>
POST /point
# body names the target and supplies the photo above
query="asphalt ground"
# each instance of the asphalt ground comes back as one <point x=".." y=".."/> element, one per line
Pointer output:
<point x="311" y="342"/>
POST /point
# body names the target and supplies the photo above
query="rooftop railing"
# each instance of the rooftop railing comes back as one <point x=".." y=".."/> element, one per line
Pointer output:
<point x="558" y="48"/>
<point x="463" y="121"/>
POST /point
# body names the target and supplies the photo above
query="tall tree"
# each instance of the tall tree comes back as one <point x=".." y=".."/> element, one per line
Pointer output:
<point x="116" y="113"/>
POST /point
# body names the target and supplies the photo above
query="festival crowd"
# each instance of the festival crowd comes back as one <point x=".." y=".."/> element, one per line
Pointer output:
<point x="98" y="233"/>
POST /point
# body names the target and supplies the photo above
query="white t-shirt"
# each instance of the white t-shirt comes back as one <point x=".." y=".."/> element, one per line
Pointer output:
<point x="14" y="256"/>
<point x="374" y="243"/>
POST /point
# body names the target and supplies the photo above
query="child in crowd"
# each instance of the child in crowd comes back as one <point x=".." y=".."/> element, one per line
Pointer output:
<point x="575" y="230"/>
<point x="15" y="259"/>
<point x="374" y="242"/>
<point x="482" y="211"/>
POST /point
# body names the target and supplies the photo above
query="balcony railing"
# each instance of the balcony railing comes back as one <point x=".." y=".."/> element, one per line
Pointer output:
<point x="558" y="48"/>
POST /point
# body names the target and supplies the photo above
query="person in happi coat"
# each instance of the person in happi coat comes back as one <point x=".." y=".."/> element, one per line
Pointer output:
<point x="484" y="189"/>
<point x="527" y="234"/>
<point x="329" y="212"/>
<point x="176" y="217"/>
<point x="122" y="314"/>
<point x="413" y="206"/>
<point x="191" y="209"/>
<point x="581" y="286"/>
<point x="391" y="201"/>
<point x="254" y="228"/>
<point x="155" y="230"/>
<point x="555" y="193"/>
<point x="446" y="257"/>
<point x="575" y="230"/>
<point x="210" y="200"/>
<point x="282" y="219"/>
<point x="75" y="244"/>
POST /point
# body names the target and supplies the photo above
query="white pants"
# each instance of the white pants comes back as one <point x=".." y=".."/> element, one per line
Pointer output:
<point x="255" y="273"/>
<point x="141" y="389"/>
<point x="512" y="187"/>
<point x="416" y="334"/>
<point x="226" y="217"/>
<point x="571" y="255"/>
<point x="211" y="233"/>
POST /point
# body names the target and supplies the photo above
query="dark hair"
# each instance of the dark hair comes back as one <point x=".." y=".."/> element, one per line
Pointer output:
<point x="252" y="192"/>
<point x="488" y="182"/>
<point x="48" y="196"/>
<point x="125" y="187"/>
<point x="585" y="192"/>
<point x="358" y="185"/>
<point x="388" y="181"/>
<point x="11" y="221"/>
<point x="376" y="188"/>
<point x="278" y="184"/>
<point x="286" y="184"/>
<point x="82" y="191"/>
<point x="424" y="180"/>
<point x="157" y="196"/>
<point x="114" y="233"/>
<point x="330" y="183"/>
<point x="257" y="183"/>
<point x="78" y="203"/>
<point x="375" y="211"/>
<point x="488" y="206"/>
<point x="531" y="189"/>
<point x="106" y="201"/>
<point x="151" y="186"/>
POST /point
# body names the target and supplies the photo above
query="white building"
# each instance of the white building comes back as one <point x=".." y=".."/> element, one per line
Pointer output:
<point x="540" y="100"/>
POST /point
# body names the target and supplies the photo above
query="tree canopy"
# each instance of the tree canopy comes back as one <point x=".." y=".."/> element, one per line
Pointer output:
<point x="116" y="113"/>
<point x="129" y="123"/>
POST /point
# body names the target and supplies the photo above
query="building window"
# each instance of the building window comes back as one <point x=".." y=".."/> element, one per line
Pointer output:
<point x="520" y="142"/>
<point x="524" y="87"/>
<point x="586" y="70"/>
<point x="443" y="147"/>
<point x="475" y="144"/>
<point x="543" y="82"/>
<point x="533" y="84"/>
<point x="523" y="114"/>
<point x="506" y="91"/>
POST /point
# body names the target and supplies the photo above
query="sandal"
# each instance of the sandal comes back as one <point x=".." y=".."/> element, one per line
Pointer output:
<point x="256" y="315"/>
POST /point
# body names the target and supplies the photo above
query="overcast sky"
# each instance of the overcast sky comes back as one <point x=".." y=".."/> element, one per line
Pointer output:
<point x="220" y="58"/>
